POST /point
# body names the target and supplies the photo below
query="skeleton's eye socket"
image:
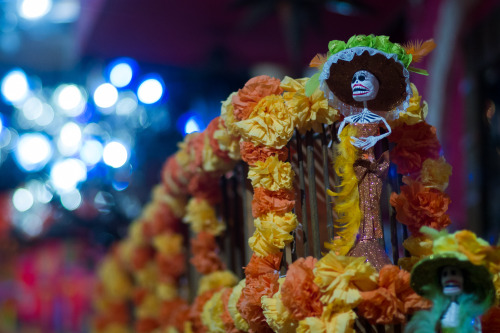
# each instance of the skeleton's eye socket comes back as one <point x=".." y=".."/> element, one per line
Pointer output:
<point x="353" y="79"/>
<point x="361" y="77"/>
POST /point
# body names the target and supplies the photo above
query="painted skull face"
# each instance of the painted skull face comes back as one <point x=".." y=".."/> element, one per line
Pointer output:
<point x="452" y="281"/>
<point x="364" y="86"/>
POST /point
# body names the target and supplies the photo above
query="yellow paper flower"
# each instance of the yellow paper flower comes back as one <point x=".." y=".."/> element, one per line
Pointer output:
<point x="475" y="248"/>
<point x="277" y="315"/>
<point x="419" y="248"/>
<point x="416" y="111"/>
<point x="135" y="232"/>
<point x="170" y="329"/>
<point x="115" y="280"/>
<point x="149" y="307"/>
<point x="435" y="173"/>
<point x="331" y="321"/>
<point x="272" y="233"/>
<point x="217" y="280"/>
<point x="115" y="328"/>
<point x="166" y="291"/>
<point x="272" y="174"/>
<point x="212" y="162"/>
<point x="341" y="278"/>
<point x="211" y="316"/>
<point x="202" y="217"/>
<point x="239" y="322"/>
<point x="228" y="143"/>
<point x="168" y="243"/>
<point x="188" y="327"/>
<point x="148" y="276"/>
<point x="270" y="123"/>
<point x="227" y="115"/>
<point x="177" y="204"/>
<point x="311" y="112"/>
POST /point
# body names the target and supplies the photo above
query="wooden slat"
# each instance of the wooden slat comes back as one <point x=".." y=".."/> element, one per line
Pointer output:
<point x="313" y="203"/>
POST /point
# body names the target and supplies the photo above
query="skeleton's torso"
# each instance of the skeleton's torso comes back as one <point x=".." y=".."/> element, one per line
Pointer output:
<point x="364" y="117"/>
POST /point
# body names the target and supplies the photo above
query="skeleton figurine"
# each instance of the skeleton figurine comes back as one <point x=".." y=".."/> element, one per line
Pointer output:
<point x="365" y="88"/>
<point x="452" y="281"/>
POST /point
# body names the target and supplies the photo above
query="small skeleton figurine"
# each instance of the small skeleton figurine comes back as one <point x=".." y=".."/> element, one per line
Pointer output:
<point x="460" y="291"/>
<point x="364" y="88"/>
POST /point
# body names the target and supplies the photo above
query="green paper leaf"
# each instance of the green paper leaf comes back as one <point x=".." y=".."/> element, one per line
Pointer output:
<point x="312" y="85"/>
<point x="418" y="71"/>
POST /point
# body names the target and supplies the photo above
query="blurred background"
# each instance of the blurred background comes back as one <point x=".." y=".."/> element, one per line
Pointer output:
<point x="95" y="94"/>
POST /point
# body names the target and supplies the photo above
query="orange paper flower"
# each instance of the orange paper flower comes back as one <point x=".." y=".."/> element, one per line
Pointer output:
<point x="392" y="300"/>
<point x="226" y="316"/>
<point x="299" y="293"/>
<point x="265" y="201"/>
<point x="254" y="90"/>
<point x="171" y="265"/>
<point x="419" y="206"/>
<point x="146" y="325"/>
<point x="197" y="309"/>
<point x="414" y="144"/>
<point x="205" y="258"/>
<point x="250" y="306"/>
<point x="205" y="186"/>
<point x="214" y="144"/>
<point x="174" y="313"/>
<point x="252" y="154"/>
<point x="258" y="265"/>
<point x="490" y="321"/>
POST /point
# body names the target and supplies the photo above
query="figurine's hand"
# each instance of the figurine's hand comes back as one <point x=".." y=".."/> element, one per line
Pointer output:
<point x="364" y="143"/>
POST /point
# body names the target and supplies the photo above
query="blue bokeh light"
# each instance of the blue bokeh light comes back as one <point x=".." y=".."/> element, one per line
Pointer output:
<point x="121" y="72"/>
<point x="151" y="89"/>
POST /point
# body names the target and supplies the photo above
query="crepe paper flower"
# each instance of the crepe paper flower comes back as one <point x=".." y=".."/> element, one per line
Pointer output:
<point x="263" y="265"/>
<point x="272" y="174"/>
<point x="196" y="310"/>
<point x="414" y="144"/>
<point x="166" y="290"/>
<point x="228" y="322"/>
<point x="251" y="154"/>
<point x="171" y="265"/>
<point x="159" y="218"/>
<point x="217" y="280"/>
<point x="147" y="276"/>
<point x="228" y="143"/>
<point x="419" y="206"/>
<point x="240" y="323"/>
<point x="331" y="321"/>
<point x="419" y="248"/>
<point x="311" y="112"/>
<point x="146" y="325"/>
<point x="214" y="144"/>
<point x="490" y="321"/>
<point x="206" y="186"/>
<point x="215" y="159"/>
<point x="342" y="278"/>
<point x="265" y="201"/>
<point x="201" y="217"/>
<point x="205" y="258"/>
<point x="416" y="111"/>
<point x="168" y="243"/>
<point x="299" y="293"/>
<point x="277" y="315"/>
<point x="249" y="305"/>
<point x="115" y="281"/>
<point x="173" y="176"/>
<point x="136" y="233"/>
<point x="194" y="148"/>
<point x="211" y="316"/>
<point x="141" y="256"/>
<point x="227" y="116"/>
<point x="435" y="173"/>
<point x="270" y="123"/>
<point x="272" y="233"/>
<point x="252" y="93"/>
<point x="392" y="300"/>
<point x="174" y="313"/>
<point x="149" y="306"/>
<point x="176" y="204"/>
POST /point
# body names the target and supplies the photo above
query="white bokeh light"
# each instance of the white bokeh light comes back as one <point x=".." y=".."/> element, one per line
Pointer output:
<point x="150" y="91"/>
<point x="115" y="154"/>
<point x="69" y="139"/>
<point x="120" y="75"/>
<point x="191" y="126"/>
<point x="22" y="199"/>
<point x="34" y="9"/>
<point x="33" y="151"/>
<point x="46" y="117"/>
<point x="15" y="86"/>
<point x="32" y="108"/>
<point x="91" y="152"/>
<point x="127" y="104"/>
<point x="105" y="96"/>
<point x="66" y="174"/>
<point x="40" y="191"/>
<point x="70" y="99"/>
<point x="71" y="200"/>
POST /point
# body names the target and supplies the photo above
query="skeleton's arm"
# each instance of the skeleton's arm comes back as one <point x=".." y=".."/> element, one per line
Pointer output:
<point x="341" y="127"/>
<point x="368" y="142"/>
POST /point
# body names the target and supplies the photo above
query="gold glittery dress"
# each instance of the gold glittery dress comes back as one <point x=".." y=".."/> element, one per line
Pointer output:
<point x="370" y="174"/>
